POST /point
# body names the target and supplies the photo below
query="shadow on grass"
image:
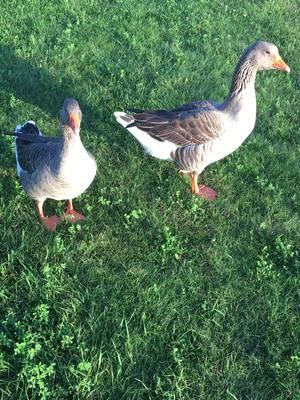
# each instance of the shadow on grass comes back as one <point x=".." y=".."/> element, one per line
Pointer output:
<point x="38" y="87"/>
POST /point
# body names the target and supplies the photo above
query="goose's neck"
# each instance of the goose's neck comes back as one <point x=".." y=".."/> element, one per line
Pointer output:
<point x="70" y="138"/>
<point x="243" y="78"/>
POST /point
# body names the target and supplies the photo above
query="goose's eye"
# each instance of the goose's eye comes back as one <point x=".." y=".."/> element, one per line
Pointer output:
<point x="267" y="52"/>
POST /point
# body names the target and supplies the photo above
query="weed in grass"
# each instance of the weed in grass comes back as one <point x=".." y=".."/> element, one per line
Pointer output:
<point x="265" y="266"/>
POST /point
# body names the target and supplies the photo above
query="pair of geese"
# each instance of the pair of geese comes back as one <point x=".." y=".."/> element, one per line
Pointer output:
<point x="193" y="136"/>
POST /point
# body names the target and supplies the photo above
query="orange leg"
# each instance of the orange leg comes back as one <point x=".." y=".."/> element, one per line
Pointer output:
<point x="50" y="223"/>
<point x="203" y="191"/>
<point x="73" y="216"/>
<point x="194" y="182"/>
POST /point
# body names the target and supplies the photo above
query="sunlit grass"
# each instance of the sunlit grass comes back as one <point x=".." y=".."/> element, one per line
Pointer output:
<point x="157" y="295"/>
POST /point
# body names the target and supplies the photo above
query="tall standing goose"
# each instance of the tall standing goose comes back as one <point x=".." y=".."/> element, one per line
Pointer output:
<point x="58" y="168"/>
<point x="199" y="133"/>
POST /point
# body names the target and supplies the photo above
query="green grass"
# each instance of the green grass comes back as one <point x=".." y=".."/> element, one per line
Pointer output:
<point x="158" y="294"/>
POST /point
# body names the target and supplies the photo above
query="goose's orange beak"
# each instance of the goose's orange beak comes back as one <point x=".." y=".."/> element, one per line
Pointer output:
<point x="74" y="122"/>
<point x="280" y="64"/>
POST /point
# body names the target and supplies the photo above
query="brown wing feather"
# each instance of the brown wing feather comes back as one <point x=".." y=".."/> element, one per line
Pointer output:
<point x="199" y="124"/>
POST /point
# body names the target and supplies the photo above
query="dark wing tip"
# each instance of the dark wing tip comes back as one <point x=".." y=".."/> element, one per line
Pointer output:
<point x="134" y="111"/>
<point x="30" y="127"/>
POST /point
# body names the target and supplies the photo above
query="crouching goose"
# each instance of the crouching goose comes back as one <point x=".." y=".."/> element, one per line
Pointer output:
<point x="58" y="168"/>
<point x="199" y="133"/>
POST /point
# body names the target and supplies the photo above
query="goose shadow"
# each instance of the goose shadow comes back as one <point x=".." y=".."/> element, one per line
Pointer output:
<point x="36" y="85"/>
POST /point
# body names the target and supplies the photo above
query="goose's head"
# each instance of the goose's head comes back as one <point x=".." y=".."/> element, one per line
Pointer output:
<point x="71" y="115"/>
<point x="265" y="55"/>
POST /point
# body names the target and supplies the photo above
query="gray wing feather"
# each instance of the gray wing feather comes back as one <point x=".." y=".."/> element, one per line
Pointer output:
<point x="196" y="105"/>
<point x="36" y="139"/>
<point x="35" y="156"/>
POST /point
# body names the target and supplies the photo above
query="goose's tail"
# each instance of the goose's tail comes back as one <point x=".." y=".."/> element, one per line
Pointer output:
<point x="157" y="148"/>
<point x="25" y="134"/>
<point x="28" y="128"/>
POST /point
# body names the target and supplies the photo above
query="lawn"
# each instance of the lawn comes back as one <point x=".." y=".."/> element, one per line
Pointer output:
<point x="158" y="295"/>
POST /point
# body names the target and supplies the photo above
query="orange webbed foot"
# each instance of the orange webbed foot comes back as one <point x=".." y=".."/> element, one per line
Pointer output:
<point x="206" y="193"/>
<point x="50" y="223"/>
<point x="74" y="216"/>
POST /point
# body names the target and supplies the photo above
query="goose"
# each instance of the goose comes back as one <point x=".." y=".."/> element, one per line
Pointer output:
<point x="58" y="168"/>
<point x="199" y="133"/>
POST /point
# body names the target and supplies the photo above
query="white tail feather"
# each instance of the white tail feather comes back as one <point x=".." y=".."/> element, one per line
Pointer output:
<point x="152" y="146"/>
<point x="121" y="121"/>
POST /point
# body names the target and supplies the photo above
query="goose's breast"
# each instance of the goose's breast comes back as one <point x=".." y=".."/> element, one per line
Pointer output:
<point x="76" y="174"/>
<point x="77" y="167"/>
<point x="244" y="122"/>
<point x="237" y="127"/>
<point x="241" y="121"/>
